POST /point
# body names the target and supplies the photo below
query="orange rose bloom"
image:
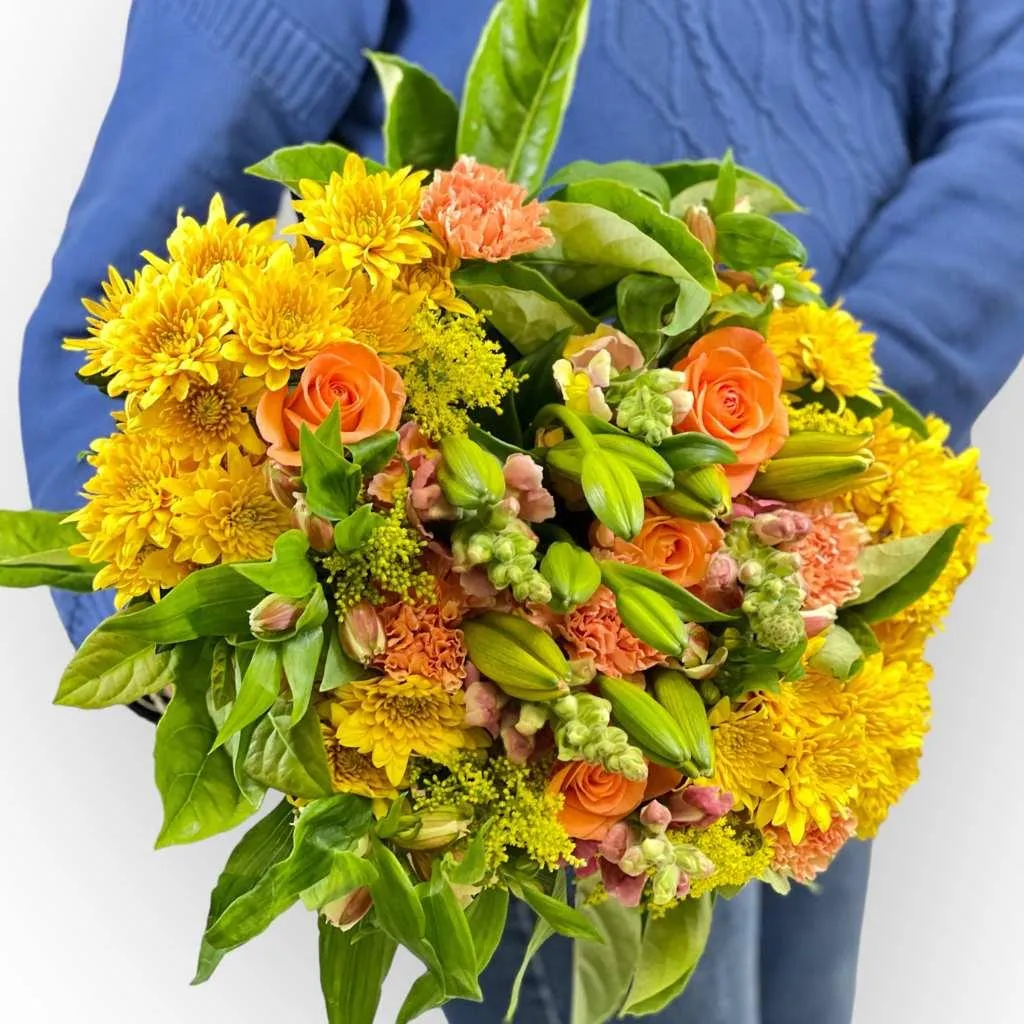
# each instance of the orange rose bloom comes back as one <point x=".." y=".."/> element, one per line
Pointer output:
<point x="737" y="387"/>
<point x="594" y="798"/>
<point x="371" y="395"/>
<point x="678" y="548"/>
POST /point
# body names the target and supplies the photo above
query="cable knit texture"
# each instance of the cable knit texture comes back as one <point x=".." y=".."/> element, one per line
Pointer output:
<point x="899" y="124"/>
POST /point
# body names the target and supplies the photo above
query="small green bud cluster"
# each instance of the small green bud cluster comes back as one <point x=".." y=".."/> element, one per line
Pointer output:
<point x="507" y="547"/>
<point x="649" y="403"/>
<point x="583" y="731"/>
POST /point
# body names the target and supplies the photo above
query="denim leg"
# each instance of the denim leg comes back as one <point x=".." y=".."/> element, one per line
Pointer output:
<point x="809" y="944"/>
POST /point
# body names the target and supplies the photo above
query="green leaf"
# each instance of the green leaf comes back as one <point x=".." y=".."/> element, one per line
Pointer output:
<point x="288" y="757"/>
<point x="352" y="532"/>
<point x="903" y="412"/>
<point x="749" y="240"/>
<point x="197" y="785"/>
<point x="353" y="967"/>
<point x="741" y="304"/>
<point x="325" y="834"/>
<point x="694" y="181"/>
<point x="331" y="481"/>
<point x="34" y="552"/>
<point x="260" y="687"/>
<point x="396" y="903"/>
<point x="521" y="303"/>
<point x="300" y="658"/>
<point x="855" y="625"/>
<point x="109" y="669"/>
<point x="724" y="198"/>
<point x="627" y="172"/>
<point x="542" y="931"/>
<point x="602" y="971"/>
<point x="373" y="453"/>
<point x="519" y="83"/>
<point x="448" y="932"/>
<point x="421" y="117"/>
<point x="265" y="844"/>
<point x="339" y="668"/>
<point x="289" y="572"/>
<point x="316" y="161"/>
<point x="618" y="575"/>
<point x="672" y="945"/>
<point x="641" y="300"/>
<point x="209" y="602"/>
<point x="899" y="572"/>
<point x="840" y="656"/>
<point x="565" y="920"/>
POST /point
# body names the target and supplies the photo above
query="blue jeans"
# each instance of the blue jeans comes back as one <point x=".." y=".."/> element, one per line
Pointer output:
<point x="770" y="960"/>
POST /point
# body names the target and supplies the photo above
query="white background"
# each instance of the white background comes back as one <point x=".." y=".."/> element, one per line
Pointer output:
<point x="96" y="927"/>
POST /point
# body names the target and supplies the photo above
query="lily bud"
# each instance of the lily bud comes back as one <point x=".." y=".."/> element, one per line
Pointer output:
<point x="572" y="574"/>
<point x="319" y="532"/>
<point x="469" y="475"/>
<point x="362" y="633"/>
<point x="275" y="615"/>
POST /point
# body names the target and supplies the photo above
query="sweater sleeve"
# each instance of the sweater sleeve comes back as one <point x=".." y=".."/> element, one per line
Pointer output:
<point x="206" y="88"/>
<point x="938" y="272"/>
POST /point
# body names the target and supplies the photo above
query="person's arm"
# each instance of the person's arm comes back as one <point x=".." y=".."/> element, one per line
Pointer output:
<point x="207" y="87"/>
<point x="939" y="273"/>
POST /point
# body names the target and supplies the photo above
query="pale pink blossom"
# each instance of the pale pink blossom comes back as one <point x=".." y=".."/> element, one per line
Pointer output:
<point x="699" y="806"/>
<point x="524" y="481"/>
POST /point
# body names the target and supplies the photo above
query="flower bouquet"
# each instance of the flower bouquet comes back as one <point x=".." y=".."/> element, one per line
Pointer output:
<point x="510" y="527"/>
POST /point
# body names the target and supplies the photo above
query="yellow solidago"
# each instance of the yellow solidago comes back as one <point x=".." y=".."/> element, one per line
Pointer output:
<point x="282" y="314"/>
<point x="512" y="799"/>
<point x="351" y="772"/>
<point x="199" y="248"/>
<point x="226" y="513"/>
<point x="146" y="573"/>
<point x="394" y="719"/>
<point x="456" y="368"/>
<point x="368" y="222"/>
<point x="128" y="500"/>
<point x="824" y="347"/>
<point x="380" y="317"/>
<point x="211" y="419"/>
<point x="168" y="337"/>
<point x="739" y="852"/>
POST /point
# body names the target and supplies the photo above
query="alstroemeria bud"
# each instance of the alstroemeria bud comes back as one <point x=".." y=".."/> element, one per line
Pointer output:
<point x="275" y="615"/>
<point x="699" y="221"/>
<point x="349" y="910"/>
<point x="362" y="633"/>
<point x="282" y="484"/>
<point x="318" y="531"/>
<point x="433" y="830"/>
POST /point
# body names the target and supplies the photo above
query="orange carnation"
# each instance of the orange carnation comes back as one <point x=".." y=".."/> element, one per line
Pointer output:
<point x="595" y="799"/>
<point x="371" y="395"/>
<point x="737" y="386"/>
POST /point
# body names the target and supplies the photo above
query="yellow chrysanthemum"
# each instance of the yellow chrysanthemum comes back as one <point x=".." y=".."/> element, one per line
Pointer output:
<point x="128" y="502"/>
<point x="211" y="419"/>
<point x="199" y="248"/>
<point x="394" y="719"/>
<point x="432" y="278"/>
<point x="282" y="314"/>
<point x="167" y="338"/>
<point x="380" y="317"/>
<point x="226" y="513"/>
<point x="368" y="222"/>
<point x="824" y="347"/>
<point x="149" y="571"/>
<point x="352" y="772"/>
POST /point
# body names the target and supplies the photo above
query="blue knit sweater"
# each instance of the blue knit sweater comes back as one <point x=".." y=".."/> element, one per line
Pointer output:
<point x="898" y="123"/>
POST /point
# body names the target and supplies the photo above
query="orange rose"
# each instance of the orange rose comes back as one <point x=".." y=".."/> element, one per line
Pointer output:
<point x="678" y="548"/>
<point x="370" y="393"/>
<point x="594" y="798"/>
<point x="737" y="388"/>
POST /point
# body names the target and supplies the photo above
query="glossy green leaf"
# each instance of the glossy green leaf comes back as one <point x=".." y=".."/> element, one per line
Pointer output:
<point x="300" y="658"/>
<point x="564" y="919"/>
<point x="373" y="453"/>
<point x="353" y="967"/>
<point x="288" y="757"/>
<point x="268" y="842"/>
<point x="840" y="656"/>
<point x="542" y="931"/>
<point x="316" y="161"/>
<point x="749" y="240"/>
<point x="209" y="602"/>
<point x="421" y="118"/>
<point x="519" y="83"/>
<point x="672" y="945"/>
<point x="339" y="668"/>
<point x="259" y="688"/>
<point x="899" y="572"/>
<point x="109" y="669"/>
<point x="902" y="411"/>
<point x="448" y="932"/>
<point x="602" y="971"/>
<point x="197" y="784"/>
<point x="396" y="903"/>
<point x="723" y="200"/>
<point x="34" y="552"/>
<point x="642" y="300"/>
<point x="627" y="172"/>
<point x="694" y="181"/>
<point x="854" y="624"/>
<point x="352" y="532"/>
<point x="331" y="480"/>
<point x="289" y="572"/>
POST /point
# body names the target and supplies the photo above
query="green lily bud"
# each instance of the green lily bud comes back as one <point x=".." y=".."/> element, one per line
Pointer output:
<point x="651" y="618"/>
<point x="469" y="475"/>
<point x="572" y="574"/>
<point x="651" y="471"/>
<point x="812" y="476"/>
<point x="708" y="486"/>
<point x="816" y="442"/>
<point x="612" y="493"/>
<point x="678" y="696"/>
<point x="692" y="449"/>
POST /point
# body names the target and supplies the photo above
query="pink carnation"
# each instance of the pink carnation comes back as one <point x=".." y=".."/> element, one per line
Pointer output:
<point x="828" y="555"/>
<point x="805" y="860"/>
<point x="481" y="215"/>
<point x="594" y="630"/>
